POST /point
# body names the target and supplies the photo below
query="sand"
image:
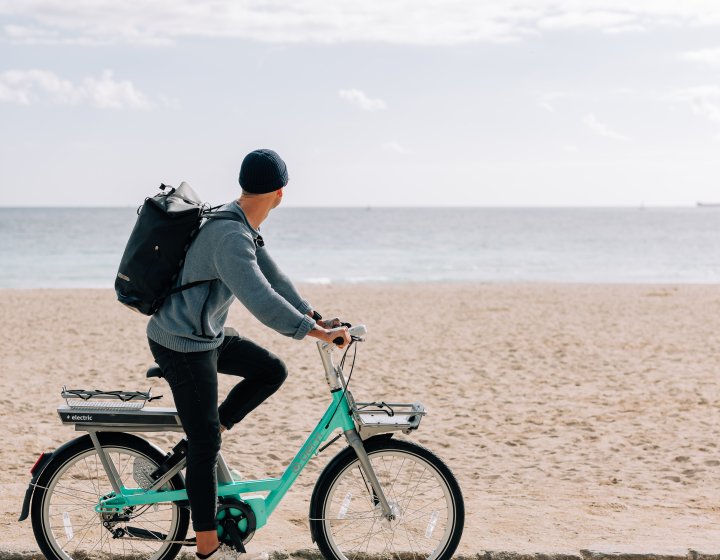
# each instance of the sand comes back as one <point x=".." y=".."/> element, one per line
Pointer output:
<point x="574" y="416"/>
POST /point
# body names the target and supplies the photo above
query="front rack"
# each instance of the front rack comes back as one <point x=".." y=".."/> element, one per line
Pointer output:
<point x="106" y="400"/>
<point x="378" y="417"/>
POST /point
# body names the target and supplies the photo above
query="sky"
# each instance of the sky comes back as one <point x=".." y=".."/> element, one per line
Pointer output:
<point x="372" y="103"/>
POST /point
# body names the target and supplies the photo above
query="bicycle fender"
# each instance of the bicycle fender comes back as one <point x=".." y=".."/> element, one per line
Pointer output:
<point x="45" y="459"/>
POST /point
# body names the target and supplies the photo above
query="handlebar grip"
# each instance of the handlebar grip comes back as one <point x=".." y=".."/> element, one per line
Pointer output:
<point x="338" y="340"/>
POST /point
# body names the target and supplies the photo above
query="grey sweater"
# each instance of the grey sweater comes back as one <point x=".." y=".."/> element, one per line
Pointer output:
<point x="225" y="252"/>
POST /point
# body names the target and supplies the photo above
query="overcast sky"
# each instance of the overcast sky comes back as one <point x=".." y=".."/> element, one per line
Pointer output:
<point x="371" y="103"/>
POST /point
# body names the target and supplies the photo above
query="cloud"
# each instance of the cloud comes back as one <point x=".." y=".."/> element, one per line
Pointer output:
<point x="591" y="121"/>
<point x="594" y="19"/>
<point x="433" y="22"/>
<point x="360" y="99"/>
<point x="629" y="28"/>
<point x="705" y="56"/>
<point x="547" y="100"/>
<point x="26" y="87"/>
<point x="703" y="100"/>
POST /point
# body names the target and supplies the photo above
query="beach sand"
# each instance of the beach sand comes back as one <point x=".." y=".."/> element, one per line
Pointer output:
<point x="574" y="416"/>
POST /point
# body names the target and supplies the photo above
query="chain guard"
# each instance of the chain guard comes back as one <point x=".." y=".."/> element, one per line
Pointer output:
<point x="142" y="468"/>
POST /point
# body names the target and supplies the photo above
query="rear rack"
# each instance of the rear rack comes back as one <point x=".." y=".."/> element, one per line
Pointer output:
<point x="106" y="400"/>
<point x="378" y="417"/>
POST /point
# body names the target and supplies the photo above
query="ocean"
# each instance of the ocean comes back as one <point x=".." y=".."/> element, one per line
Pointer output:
<point x="81" y="247"/>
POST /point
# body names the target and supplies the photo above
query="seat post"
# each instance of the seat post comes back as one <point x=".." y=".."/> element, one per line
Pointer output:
<point x="223" y="471"/>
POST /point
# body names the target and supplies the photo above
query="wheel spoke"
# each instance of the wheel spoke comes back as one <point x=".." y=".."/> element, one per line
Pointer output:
<point x="422" y="502"/>
<point x="75" y="530"/>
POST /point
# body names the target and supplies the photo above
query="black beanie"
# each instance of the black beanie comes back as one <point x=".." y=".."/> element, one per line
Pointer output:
<point x="263" y="171"/>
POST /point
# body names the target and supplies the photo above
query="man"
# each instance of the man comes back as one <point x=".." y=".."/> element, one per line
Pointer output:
<point x="191" y="345"/>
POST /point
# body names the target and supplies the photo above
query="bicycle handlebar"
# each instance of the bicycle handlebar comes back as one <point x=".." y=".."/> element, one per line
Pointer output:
<point x="356" y="333"/>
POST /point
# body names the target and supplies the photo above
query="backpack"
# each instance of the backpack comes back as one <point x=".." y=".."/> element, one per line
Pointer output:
<point x="155" y="252"/>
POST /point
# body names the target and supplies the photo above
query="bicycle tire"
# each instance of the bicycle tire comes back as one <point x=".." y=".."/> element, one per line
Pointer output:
<point x="62" y="498"/>
<point x="343" y="499"/>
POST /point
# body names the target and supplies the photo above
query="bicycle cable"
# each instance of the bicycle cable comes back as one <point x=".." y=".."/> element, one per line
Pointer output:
<point x="347" y="383"/>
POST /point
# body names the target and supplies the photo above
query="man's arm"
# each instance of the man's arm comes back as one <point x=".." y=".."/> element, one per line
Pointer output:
<point x="331" y="335"/>
<point x="280" y="282"/>
<point x="237" y="266"/>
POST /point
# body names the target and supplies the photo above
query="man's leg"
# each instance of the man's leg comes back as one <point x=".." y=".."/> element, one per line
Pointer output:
<point x="193" y="380"/>
<point x="263" y="373"/>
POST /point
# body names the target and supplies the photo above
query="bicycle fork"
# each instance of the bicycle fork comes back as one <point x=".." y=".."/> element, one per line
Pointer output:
<point x="356" y="443"/>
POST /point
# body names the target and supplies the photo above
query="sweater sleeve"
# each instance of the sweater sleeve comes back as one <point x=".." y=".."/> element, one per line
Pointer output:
<point x="237" y="266"/>
<point x="279" y="281"/>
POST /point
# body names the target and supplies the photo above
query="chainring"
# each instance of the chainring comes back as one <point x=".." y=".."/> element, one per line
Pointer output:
<point x="236" y="512"/>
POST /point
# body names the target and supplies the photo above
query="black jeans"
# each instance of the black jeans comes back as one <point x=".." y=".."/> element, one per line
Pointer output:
<point x="193" y="380"/>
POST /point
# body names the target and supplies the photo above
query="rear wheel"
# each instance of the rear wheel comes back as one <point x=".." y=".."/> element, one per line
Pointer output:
<point x="346" y="518"/>
<point x="64" y="520"/>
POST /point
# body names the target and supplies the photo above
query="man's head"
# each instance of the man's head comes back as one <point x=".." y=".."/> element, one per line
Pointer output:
<point x="262" y="171"/>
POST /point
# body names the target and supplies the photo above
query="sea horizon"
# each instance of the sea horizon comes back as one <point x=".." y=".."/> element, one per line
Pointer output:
<point x="698" y="204"/>
<point x="69" y="247"/>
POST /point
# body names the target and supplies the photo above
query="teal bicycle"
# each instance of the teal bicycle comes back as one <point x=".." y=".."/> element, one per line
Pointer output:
<point x="112" y="494"/>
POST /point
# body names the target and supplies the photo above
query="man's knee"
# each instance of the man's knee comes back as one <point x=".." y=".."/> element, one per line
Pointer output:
<point x="277" y="370"/>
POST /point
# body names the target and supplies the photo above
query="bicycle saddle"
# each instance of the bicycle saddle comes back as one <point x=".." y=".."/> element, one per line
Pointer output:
<point x="154" y="371"/>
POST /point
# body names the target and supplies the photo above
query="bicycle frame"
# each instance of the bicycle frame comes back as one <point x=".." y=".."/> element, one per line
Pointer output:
<point x="337" y="416"/>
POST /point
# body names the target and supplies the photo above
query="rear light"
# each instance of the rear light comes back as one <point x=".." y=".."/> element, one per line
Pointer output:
<point x="39" y="459"/>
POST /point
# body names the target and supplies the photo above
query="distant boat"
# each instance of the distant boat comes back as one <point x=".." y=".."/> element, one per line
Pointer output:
<point x="709" y="204"/>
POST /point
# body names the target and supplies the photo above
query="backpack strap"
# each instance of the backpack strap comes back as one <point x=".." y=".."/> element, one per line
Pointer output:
<point x="187" y="286"/>
<point x="227" y="215"/>
<point x="223" y="215"/>
<point x="210" y="215"/>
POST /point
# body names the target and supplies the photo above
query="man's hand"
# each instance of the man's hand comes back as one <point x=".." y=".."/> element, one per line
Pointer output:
<point x="331" y="335"/>
<point x="333" y="323"/>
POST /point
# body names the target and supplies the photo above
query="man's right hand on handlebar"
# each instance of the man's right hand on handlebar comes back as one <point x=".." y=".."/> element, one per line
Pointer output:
<point x="339" y="336"/>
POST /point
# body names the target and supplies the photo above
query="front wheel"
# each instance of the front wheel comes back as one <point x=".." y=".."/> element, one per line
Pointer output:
<point x="346" y="518"/>
<point x="64" y="519"/>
